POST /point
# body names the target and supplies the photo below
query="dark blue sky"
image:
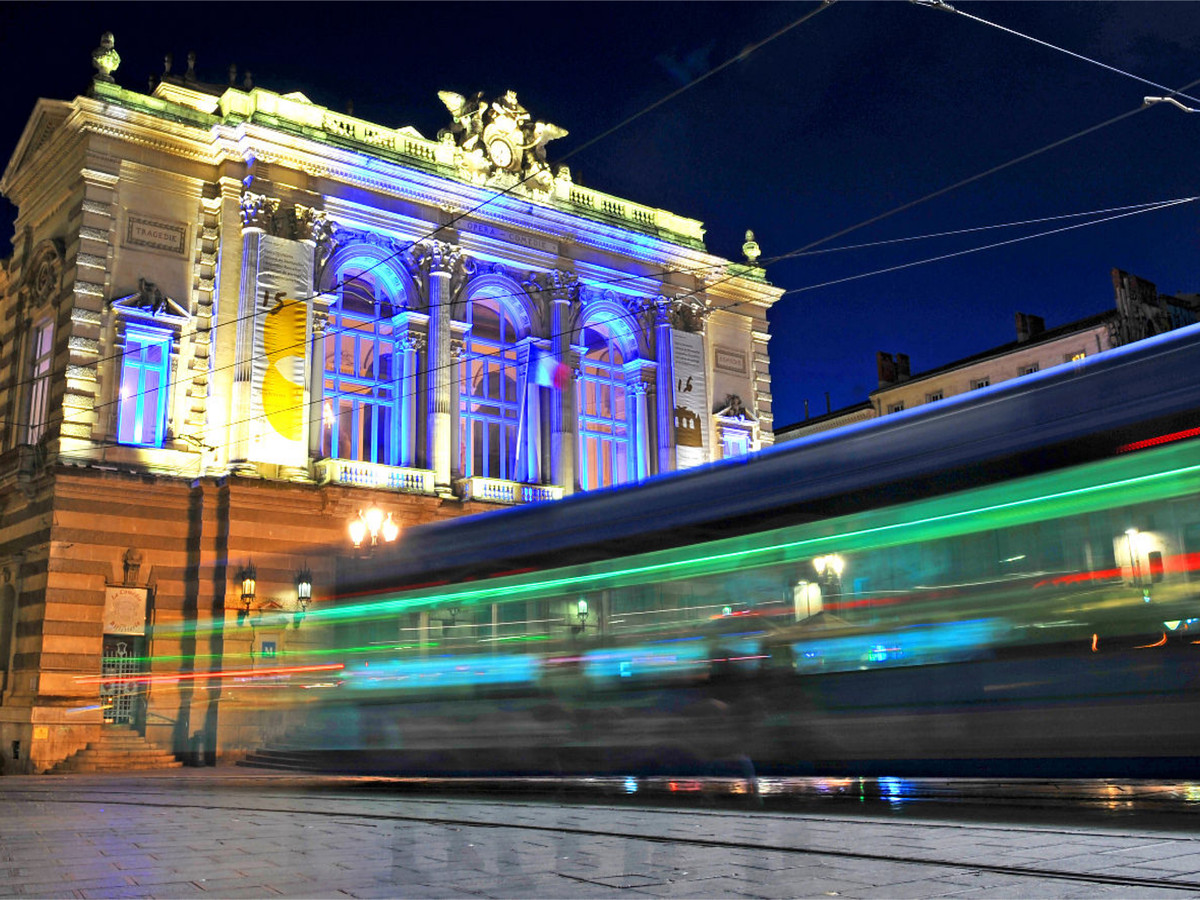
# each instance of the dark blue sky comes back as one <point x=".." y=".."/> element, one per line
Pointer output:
<point x="859" y="110"/>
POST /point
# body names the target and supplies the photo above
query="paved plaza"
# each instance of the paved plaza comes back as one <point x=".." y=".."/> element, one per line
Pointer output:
<point x="236" y="833"/>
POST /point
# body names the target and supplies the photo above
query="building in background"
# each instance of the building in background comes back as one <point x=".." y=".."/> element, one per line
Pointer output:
<point x="234" y="319"/>
<point x="1140" y="312"/>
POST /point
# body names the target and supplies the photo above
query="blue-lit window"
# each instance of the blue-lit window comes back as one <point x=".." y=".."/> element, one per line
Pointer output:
<point x="489" y="408"/>
<point x="145" y="369"/>
<point x="734" y="443"/>
<point x="362" y="400"/>
<point x="604" y="433"/>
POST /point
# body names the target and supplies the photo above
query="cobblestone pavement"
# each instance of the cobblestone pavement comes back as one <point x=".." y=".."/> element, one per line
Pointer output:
<point x="220" y="833"/>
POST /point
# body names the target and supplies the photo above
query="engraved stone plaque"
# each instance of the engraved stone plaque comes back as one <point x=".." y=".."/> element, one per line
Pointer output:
<point x="155" y="234"/>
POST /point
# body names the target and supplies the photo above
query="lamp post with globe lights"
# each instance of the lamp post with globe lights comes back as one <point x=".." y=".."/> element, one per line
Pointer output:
<point x="375" y="524"/>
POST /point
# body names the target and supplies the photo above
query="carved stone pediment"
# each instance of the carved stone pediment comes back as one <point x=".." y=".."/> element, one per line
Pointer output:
<point x="732" y="407"/>
<point x="150" y="304"/>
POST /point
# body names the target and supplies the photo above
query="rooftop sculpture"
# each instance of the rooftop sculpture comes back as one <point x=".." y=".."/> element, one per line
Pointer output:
<point x="499" y="136"/>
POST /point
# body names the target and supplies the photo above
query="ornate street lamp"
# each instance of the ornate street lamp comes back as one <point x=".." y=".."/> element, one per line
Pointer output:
<point x="829" y="573"/>
<point x="375" y="523"/>
<point x="303" y="594"/>
<point x="248" y="576"/>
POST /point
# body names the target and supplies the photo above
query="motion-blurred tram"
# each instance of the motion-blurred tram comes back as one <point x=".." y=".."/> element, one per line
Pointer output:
<point x="1005" y="583"/>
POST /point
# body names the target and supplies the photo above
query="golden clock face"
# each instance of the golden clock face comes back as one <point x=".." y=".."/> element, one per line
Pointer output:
<point x="501" y="152"/>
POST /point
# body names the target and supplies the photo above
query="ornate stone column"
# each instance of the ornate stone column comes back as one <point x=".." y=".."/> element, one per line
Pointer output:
<point x="227" y="289"/>
<point x="408" y="346"/>
<point x="528" y="467"/>
<point x="457" y="350"/>
<point x="316" y="384"/>
<point x="256" y="211"/>
<point x="563" y="291"/>
<point x="440" y="261"/>
<point x="640" y="415"/>
<point x="664" y="384"/>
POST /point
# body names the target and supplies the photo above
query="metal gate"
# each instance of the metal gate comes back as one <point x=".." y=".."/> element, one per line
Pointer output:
<point x="120" y="689"/>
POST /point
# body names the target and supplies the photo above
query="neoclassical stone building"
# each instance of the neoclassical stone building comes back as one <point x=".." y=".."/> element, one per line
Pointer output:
<point x="233" y="319"/>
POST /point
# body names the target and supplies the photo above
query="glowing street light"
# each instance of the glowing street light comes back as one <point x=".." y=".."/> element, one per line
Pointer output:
<point x="833" y="563"/>
<point x="248" y="576"/>
<point x="373" y="522"/>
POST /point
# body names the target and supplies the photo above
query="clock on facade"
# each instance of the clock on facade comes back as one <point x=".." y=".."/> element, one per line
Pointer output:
<point x="501" y="152"/>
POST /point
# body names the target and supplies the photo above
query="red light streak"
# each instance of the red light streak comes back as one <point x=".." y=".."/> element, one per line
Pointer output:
<point x="1180" y="563"/>
<point x="1161" y="439"/>
<point x="869" y="601"/>
<point x="197" y="676"/>
<point x="1157" y="643"/>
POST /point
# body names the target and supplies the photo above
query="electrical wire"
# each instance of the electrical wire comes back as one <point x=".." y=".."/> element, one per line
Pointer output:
<point x="948" y="8"/>
<point x="992" y="246"/>
<point x="978" y="228"/>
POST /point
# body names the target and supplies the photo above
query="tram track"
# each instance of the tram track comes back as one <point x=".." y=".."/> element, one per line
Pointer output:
<point x="298" y="807"/>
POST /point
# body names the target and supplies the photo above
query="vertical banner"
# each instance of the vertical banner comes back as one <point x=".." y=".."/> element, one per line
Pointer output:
<point x="280" y="383"/>
<point x="691" y="400"/>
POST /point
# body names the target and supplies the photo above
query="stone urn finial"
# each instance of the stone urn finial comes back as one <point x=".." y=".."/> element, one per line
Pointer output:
<point x="750" y="249"/>
<point x="105" y="58"/>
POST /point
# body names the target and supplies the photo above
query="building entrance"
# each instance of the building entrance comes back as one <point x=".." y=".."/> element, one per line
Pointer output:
<point x="121" y="693"/>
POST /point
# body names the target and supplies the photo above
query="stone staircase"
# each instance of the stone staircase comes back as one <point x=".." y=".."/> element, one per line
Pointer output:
<point x="119" y="749"/>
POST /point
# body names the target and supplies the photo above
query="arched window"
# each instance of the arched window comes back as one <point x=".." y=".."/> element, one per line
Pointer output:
<point x="489" y="408"/>
<point x="604" y="432"/>
<point x="362" y="399"/>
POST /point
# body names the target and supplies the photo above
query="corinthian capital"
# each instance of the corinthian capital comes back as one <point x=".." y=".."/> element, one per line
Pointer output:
<point x="686" y="312"/>
<point x="561" y="285"/>
<point x="414" y="342"/>
<point x="439" y="257"/>
<point x="310" y="224"/>
<point x="257" y="210"/>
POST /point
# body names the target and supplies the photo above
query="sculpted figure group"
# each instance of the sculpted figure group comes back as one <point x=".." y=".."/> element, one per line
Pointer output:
<point x="500" y="135"/>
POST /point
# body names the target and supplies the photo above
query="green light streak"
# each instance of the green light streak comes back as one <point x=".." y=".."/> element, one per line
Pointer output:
<point x="1149" y="476"/>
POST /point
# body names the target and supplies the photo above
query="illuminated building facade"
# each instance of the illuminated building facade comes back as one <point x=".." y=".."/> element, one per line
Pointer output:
<point x="232" y="319"/>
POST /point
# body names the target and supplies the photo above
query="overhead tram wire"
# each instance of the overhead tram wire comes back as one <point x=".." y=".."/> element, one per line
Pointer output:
<point x="946" y="7"/>
<point x="824" y="4"/>
<point x="920" y="262"/>
<point x="977" y="228"/>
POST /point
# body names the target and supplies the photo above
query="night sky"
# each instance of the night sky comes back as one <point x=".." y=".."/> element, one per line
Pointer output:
<point x="858" y="111"/>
